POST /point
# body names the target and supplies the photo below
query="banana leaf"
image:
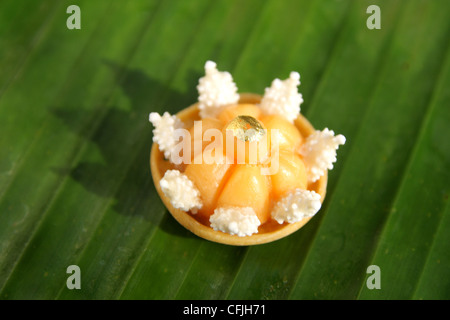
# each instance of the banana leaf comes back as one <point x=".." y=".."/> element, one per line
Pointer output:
<point x="75" y="182"/>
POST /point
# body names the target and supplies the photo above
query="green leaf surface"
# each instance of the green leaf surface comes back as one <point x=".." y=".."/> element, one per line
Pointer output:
<point x="75" y="183"/>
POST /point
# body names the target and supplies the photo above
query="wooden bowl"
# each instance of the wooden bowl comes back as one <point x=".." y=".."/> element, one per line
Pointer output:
<point x="268" y="232"/>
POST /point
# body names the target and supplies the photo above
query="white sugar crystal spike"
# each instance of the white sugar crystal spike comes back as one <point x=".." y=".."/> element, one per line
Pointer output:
<point x="181" y="191"/>
<point x="319" y="152"/>
<point x="240" y="221"/>
<point x="296" y="206"/>
<point x="283" y="98"/>
<point x="216" y="90"/>
<point x="164" y="131"/>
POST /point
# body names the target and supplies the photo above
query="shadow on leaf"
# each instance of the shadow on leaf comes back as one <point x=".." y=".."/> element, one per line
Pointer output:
<point x="124" y="138"/>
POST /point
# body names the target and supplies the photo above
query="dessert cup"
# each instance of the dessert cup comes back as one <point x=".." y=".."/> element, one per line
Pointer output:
<point x="269" y="231"/>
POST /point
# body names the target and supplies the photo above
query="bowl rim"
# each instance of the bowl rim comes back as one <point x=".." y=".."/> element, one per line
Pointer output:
<point x="188" y="221"/>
